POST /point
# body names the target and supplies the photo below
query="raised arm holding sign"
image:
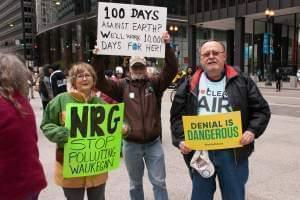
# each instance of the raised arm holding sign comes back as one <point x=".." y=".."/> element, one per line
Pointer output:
<point x="140" y="92"/>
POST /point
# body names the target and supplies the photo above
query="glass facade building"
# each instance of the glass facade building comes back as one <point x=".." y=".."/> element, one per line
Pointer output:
<point x="67" y="31"/>
<point x="242" y="26"/>
<point x="17" y="30"/>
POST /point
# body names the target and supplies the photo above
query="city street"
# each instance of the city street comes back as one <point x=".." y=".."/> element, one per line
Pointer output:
<point x="260" y="38"/>
<point x="274" y="166"/>
<point x="286" y="102"/>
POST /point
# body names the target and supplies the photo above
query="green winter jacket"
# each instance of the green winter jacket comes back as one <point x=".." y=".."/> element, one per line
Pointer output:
<point x="53" y="128"/>
<point x="54" y="116"/>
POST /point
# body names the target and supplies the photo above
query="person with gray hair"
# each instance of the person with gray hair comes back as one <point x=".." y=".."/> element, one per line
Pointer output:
<point x="215" y="88"/>
<point x="142" y="131"/>
<point x="21" y="172"/>
<point x="82" y="79"/>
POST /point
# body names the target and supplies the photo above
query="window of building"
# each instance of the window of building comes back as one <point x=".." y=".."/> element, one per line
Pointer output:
<point x="162" y="3"/>
<point x="206" y="6"/>
<point x="142" y="2"/>
<point x="214" y="4"/>
<point x="28" y="9"/>
<point x="199" y="6"/>
<point x="27" y="20"/>
<point x="192" y="4"/>
<point x="249" y="1"/>
<point x="28" y="40"/>
<point x="123" y="1"/>
<point x="28" y="53"/>
<point x="28" y="30"/>
<point x="231" y="2"/>
<point x="177" y="7"/>
<point x="223" y="3"/>
<point x="241" y="1"/>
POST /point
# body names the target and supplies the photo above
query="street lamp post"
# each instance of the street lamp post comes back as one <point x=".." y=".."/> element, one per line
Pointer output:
<point x="173" y="30"/>
<point x="268" y="45"/>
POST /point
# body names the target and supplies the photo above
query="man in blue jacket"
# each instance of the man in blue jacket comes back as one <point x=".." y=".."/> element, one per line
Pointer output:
<point x="220" y="88"/>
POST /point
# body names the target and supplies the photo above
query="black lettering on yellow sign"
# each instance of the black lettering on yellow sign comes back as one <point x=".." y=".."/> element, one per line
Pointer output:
<point x="213" y="134"/>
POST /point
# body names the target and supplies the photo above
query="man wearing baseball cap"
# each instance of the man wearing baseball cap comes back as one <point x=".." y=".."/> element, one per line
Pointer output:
<point x="119" y="72"/>
<point x="142" y="97"/>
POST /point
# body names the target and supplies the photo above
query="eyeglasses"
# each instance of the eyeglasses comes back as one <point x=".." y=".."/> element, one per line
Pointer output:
<point x="82" y="76"/>
<point x="213" y="52"/>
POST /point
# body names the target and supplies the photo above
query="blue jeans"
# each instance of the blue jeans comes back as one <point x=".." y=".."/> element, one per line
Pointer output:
<point x="136" y="156"/>
<point x="232" y="177"/>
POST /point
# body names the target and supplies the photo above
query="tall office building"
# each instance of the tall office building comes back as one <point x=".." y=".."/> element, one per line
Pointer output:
<point x="17" y="28"/>
<point x="260" y="35"/>
<point x="70" y="33"/>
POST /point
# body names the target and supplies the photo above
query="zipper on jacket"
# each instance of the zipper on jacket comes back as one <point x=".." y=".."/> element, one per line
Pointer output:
<point x="142" y="111"/>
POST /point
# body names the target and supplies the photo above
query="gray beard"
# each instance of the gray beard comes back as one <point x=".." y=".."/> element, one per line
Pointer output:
<point x="138" y="76"/>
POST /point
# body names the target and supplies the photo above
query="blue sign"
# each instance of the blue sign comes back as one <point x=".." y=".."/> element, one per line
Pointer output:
<point x="266" y="44"/>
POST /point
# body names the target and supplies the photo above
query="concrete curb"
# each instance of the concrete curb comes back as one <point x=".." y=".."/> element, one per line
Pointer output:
<point x="285" y="86"/>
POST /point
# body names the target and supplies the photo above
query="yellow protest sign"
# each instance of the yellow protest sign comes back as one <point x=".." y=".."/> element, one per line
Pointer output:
<point x="211" y="132"/>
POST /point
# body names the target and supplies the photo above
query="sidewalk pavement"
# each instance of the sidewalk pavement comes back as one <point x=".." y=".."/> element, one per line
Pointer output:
<point x="285" y="86"/>
<point x="274" y="167"/>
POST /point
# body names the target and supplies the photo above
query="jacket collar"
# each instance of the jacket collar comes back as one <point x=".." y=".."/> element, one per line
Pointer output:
<point x="230" y="73"/>
<point x="80" y="97"/>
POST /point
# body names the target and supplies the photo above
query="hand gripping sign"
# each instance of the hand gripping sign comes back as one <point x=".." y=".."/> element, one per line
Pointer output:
<point x="94" y="142"/>
<point x="211" y="132"/>
<point x="131" y="30"/>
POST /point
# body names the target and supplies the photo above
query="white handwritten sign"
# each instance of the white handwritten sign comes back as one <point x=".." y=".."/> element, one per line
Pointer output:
<point x="131" y="30"/>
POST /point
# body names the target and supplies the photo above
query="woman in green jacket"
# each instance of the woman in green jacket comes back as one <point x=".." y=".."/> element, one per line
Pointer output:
<point x="83" y="78"/>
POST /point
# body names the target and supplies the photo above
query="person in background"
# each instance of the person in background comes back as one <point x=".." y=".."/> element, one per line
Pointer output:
<point x="21" y="173"/>
<point x="43" y="85"/>
<point x="259" y="75"/>
<point x="218" y="82"/>
<point x="142" y="97"/>
<point x="278" y="78"/>
<point x="82" y="78"/>
<point x="189" y="72"/>
<point x="31" y="83"/>
<point x="108" y="73"/>
<point x="119" y="73"/>
<point x="58" y="80"/>
<point x="184" y="75"/>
